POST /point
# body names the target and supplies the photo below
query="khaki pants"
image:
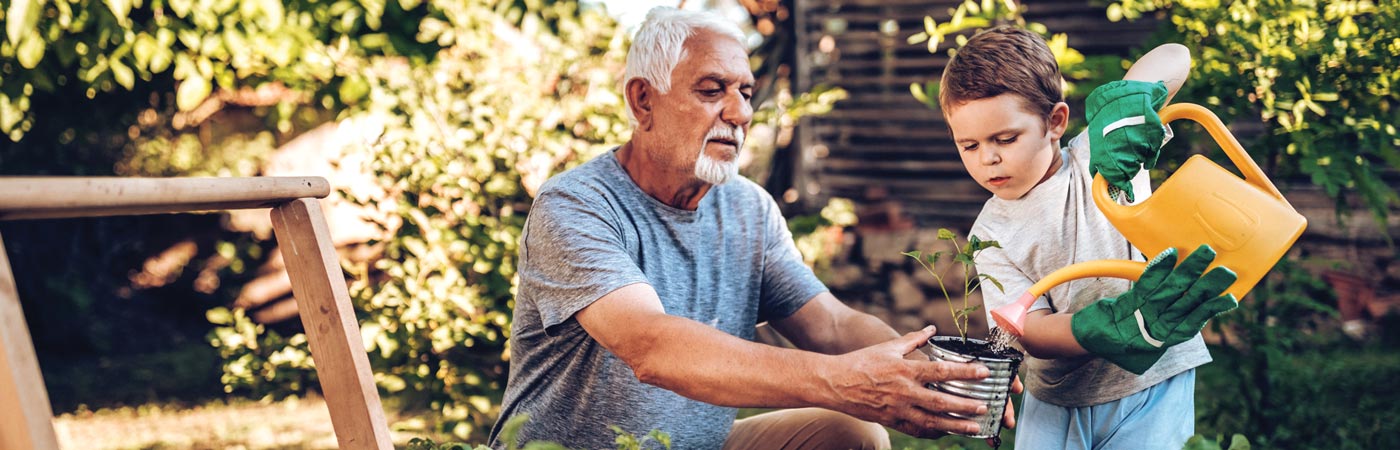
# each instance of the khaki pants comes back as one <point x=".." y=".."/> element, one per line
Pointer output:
<point x="806" y="429"/>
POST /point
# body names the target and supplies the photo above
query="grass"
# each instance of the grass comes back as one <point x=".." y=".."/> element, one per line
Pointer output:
<point x="244" y="424"/>
<point x="1345" y="390"/>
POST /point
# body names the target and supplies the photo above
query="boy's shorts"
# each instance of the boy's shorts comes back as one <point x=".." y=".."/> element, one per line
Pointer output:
<point x="1160" y="417"/>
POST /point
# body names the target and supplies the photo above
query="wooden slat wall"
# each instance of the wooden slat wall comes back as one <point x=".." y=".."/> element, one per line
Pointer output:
<point x="881" y="144"/>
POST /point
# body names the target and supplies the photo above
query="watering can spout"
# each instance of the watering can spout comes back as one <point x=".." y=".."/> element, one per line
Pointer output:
<point x="1012" y="316"/>
<point x="1246" y="220"/>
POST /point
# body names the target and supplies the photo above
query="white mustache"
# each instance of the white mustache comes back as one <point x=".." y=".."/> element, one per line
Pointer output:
<point x="735" y="134"/>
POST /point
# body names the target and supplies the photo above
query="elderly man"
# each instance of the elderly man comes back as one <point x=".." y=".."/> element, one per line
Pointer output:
<point x="644" y="271"/>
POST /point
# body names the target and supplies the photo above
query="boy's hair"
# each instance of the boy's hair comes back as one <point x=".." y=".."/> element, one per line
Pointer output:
<point x="1003" y="60"/>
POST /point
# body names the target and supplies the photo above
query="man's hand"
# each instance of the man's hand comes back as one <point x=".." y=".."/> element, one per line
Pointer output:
<point x="878" y="384"/>
<point x="1167" y="306"/>
<point x="1125" y="132"/>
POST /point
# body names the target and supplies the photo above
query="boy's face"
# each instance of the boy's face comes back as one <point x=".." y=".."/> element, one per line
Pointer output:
<point x="1006" y="148"/>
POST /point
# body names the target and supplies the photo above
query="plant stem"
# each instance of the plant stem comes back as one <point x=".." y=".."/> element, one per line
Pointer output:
<point x="946" y="297"/>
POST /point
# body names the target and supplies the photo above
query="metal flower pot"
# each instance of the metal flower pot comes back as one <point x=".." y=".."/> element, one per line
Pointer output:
<point x="995" y="389"/>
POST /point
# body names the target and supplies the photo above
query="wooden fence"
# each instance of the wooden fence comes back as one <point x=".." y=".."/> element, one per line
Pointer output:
<point x="26" y="419"/>
<point x="881" y="146"/>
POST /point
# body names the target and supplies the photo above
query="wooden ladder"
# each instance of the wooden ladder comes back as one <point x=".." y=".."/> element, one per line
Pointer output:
<point x="26" y="419"/>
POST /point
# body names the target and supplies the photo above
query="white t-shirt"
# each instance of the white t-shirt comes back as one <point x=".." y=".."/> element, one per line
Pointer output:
<point x="1054" y="225"/>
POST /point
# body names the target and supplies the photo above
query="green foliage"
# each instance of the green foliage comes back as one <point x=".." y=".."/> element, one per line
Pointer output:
<point x="819" y="237"/>
<point x="1337" y="397"/>
<point x="258" y="361"/>
<point x="1320" y="75"/>
<point x="1262" y="342"/>
<point x="205" y="46"/>
<point x="458" y="148"/>
<point x="965" y="255"/>
<point x="1198" y="442"/>
<point x="973" y="15"/>
<point x="461" y="156"/>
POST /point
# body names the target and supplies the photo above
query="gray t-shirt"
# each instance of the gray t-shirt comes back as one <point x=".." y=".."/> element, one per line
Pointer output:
<point x="730" y="264"/>
<point x="1054" y="225"/>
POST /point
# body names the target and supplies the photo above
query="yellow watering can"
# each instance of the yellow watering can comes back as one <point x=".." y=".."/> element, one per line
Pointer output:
<point x="1247" y="221"/>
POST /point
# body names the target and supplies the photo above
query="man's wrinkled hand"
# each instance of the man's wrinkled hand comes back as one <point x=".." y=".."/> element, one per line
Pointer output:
<point x="878" y="384"/>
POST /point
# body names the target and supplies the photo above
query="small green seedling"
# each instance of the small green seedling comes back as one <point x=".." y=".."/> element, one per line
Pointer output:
<point x="964" y="254"/>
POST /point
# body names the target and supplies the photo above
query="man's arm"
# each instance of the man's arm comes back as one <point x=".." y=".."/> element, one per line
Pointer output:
<point x="874" y="383"/>
<point x="825" y="325"/>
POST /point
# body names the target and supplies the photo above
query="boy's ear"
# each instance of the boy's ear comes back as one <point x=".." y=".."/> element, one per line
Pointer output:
<point x="1059" y="120"/>
<point x="639" y="100"/>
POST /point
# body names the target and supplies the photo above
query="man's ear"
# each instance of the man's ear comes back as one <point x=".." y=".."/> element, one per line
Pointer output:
<point x="639" y="98"/>
<point x="1059" y="120"/>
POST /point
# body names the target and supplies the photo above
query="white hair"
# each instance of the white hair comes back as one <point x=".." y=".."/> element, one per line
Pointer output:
<point x="715" y="171"/>
<point x="660" y="44"/>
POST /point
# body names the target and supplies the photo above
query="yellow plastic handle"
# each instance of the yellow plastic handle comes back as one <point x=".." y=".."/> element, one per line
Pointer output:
<point x="1221" y="135"/>
<point x="1116" y="268"/>
<point x="1199" y="114"/>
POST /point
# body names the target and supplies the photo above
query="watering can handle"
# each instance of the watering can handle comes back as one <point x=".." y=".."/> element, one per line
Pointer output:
<point x="1199" y="114"/>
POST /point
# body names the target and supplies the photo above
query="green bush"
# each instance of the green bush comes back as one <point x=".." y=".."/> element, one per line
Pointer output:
<point x="466" y="142"/>
<point x="971" y="16"/>
<point x="1336" y="398"/>
<point x="105" y="46"/>
<point x="458" y="147"/>
<point x="1292" y="382"/>
<point x="1320" y="75"/>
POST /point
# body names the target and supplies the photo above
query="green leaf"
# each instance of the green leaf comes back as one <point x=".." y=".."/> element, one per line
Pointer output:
<point x="993" y="280"/>
<point x="353" y="89"/>
<point x="144" y="47"/>
<point x="160" y="60"/>
<point x="273" y="11"/>
<point x="123" y="74"/>
<point x="510" y="432"/>
<point x="946" y="234"/>
<point x="912" y="254"/>
<point x="30" y="51"/>
<point x="120" y="8"/>
<point x="1239" y="442"/>
<point x="976" y="244"/>
<point x="181" y="8"/>
<point x="191" y="92"/>
<point x="917" y="90"/>
<point x="22" y="17"/>
<point x="219" y="316"/>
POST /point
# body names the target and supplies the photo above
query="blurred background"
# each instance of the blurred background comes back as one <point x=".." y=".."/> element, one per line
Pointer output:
<point x="435" y="121"/>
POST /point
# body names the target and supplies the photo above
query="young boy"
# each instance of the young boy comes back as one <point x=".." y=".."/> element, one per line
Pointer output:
<point x="1001" y="95"/>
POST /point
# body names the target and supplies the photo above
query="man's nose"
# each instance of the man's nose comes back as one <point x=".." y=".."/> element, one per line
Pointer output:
<point x="737" y="111"/>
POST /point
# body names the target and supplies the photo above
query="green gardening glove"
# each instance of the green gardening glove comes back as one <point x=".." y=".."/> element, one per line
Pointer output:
<point x="1167" y="306"/>
<point x="1125" y="132"/>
